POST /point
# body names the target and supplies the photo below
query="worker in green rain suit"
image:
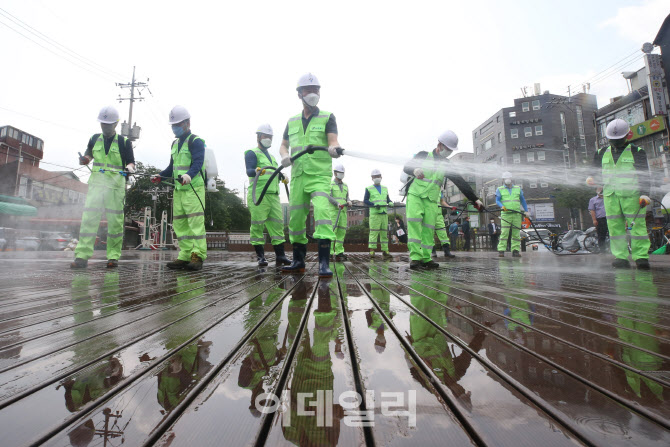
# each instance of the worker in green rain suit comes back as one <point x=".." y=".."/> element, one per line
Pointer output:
<point x="111" y="154"/>
<point x="441" y="228"/>
<point x="340" y="192"/>
<point x="510" y="199"/>
<point x="383" y="299"/>
<point x="267" y="214"/>
<point x="626" y="182"/>
<point x="310" y="175"/>
<point x="429" y="170"/>
<point x="431" y="345"/>
<point x="313" y="372"/>
<point x="377" y="198"/>
<point x="187" y="169"/>
<point x="640" y="285"/>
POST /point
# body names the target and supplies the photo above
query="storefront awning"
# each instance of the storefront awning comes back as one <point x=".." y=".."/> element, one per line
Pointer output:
<point x="14" y="209"/>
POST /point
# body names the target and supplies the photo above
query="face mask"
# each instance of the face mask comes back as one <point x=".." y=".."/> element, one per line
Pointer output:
<point x="493" y="221"/>
<point x="600" y="194"/>
<point x="177" y="130"/>
<point x="508" y="181"/>
<point x="377" y="181"/>
<point x="339" y="175"/>
<point x="266" y="142"/>
<point x="311" y="99"/>
<point x="444" y="153"/>
<point x="108" y="130"/>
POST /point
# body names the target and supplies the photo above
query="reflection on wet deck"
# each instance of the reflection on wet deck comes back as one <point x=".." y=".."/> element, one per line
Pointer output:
<point x="542" y="350"/>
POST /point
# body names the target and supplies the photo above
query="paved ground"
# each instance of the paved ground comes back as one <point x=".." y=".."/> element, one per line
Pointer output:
<point x="540" y="351"/>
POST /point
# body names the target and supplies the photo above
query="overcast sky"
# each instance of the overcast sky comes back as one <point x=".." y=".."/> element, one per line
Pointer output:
<point x="395" y="74"/>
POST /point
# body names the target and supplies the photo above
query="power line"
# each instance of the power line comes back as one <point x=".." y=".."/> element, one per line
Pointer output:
<point x="43" y="120"/>
<point x="53" y="42"/>
<point x="577" y="85"/>
<point x="105" y="77"/>
<point x="621" y="67"/>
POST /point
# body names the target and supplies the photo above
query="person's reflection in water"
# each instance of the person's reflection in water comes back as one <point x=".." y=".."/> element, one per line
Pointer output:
<point x="183" y="370"/>
<point x="431" y="344"/>
<point x="639" y="284"/>
<point x="109" y="295"/>
<point x="313" y="373"/>
<point x="383" y="298"/>
<point x="518" y="310"/>
<point x="265" y="353"/>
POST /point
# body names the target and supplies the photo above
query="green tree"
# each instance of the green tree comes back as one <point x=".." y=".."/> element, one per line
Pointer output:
<point x="224" y="210"/>
<point x="576" y="197"/>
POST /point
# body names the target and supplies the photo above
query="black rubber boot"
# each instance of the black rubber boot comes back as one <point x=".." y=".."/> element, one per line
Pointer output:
<point x="195" y="264"/>
<point x="621" y="263"/>
<point x="280" y="256"/>
<point x="260" y="255"/>
<point x="516" y="254"/>
<point x="324" y="258"/>
<point x="298" y="265"/>
<point x="177" y="264"/>
<point x="431" y="265"/>
<point x="112" y="263"/>
<point x="447" y="251"/>
<point x="416" y="265"/>
<point x="79" y="263"/>
<point x="642" y="264"/>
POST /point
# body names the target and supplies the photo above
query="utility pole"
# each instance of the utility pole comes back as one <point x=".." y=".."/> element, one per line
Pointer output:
<point x="108" y="434"/>
<point x="18" y="168"/>
<point x="132" y="133"/>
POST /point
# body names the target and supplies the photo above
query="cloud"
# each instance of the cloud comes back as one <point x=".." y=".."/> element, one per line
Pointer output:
<point x="639" y="23"/>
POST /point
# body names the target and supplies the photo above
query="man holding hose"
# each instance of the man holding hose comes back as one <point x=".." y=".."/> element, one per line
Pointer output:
<point x="266" y="214"/>
<point x="625" y="181"/>
<point x="310" y="175"/>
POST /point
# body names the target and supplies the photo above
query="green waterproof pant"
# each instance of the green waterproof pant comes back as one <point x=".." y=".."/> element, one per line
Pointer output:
<point x="188" y="221"/>
<point x="421" y="214"/>
<point x="99" y="200"/>
<point x="379" y="224"/>
<point x="268" y="214"/>
<point x="340" y="229"/>
<point x="510" y="222"/>
<point x="441" y="228"/>
<point x="315" y="189"/>
<point x="620" y="209"/>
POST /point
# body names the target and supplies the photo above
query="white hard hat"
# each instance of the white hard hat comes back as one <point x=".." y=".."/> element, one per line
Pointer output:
<point x="265" y="129"/>
<point x="449" y="139"/>
<point x="506" y="174"/>
<point x="179" y="114"/>
<point x="617" y="129"/>
<point x="339" y="167"/>
<point x="306" y="80"/>
<point x="376" y="172"/>
<point x="108" y="115"/>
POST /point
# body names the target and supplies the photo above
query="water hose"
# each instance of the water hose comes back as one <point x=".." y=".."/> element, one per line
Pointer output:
<point x="308" y="150"/>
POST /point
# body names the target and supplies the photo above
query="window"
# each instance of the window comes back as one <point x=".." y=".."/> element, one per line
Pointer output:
<point x="3" y="132"/>
<point x="31" y="141"/>
<point x="514" y="133"/>
<point x="501" y="161"/>
<point x="512" y="114"/>
<point x="544" y="184"/>
<point x="498" y="119"/>
<point x="536" y="104"/>
<point x="487" y="145"/>
<point x="538" y="130"/>
<point x="540" y="156"/>
<point x="517" y="158"/>
<point x="530" y="156"/>
<point x="564" y="129"/>
<point x="532" y="184"/>
<point x="24" y="139"/>
<point x="23" y="186"/>
<point x="525" y="106"/>
<point x="39" y="144"/>
<point x="499" y="137"/>
<point x="528" y="131"/>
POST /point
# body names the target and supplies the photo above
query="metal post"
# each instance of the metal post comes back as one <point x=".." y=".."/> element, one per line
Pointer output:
<point x="130" y="112"/>
<point x="18" y="168"/>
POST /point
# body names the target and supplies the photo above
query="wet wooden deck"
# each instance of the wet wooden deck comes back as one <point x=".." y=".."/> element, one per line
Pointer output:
<point x="543" y="350"/>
